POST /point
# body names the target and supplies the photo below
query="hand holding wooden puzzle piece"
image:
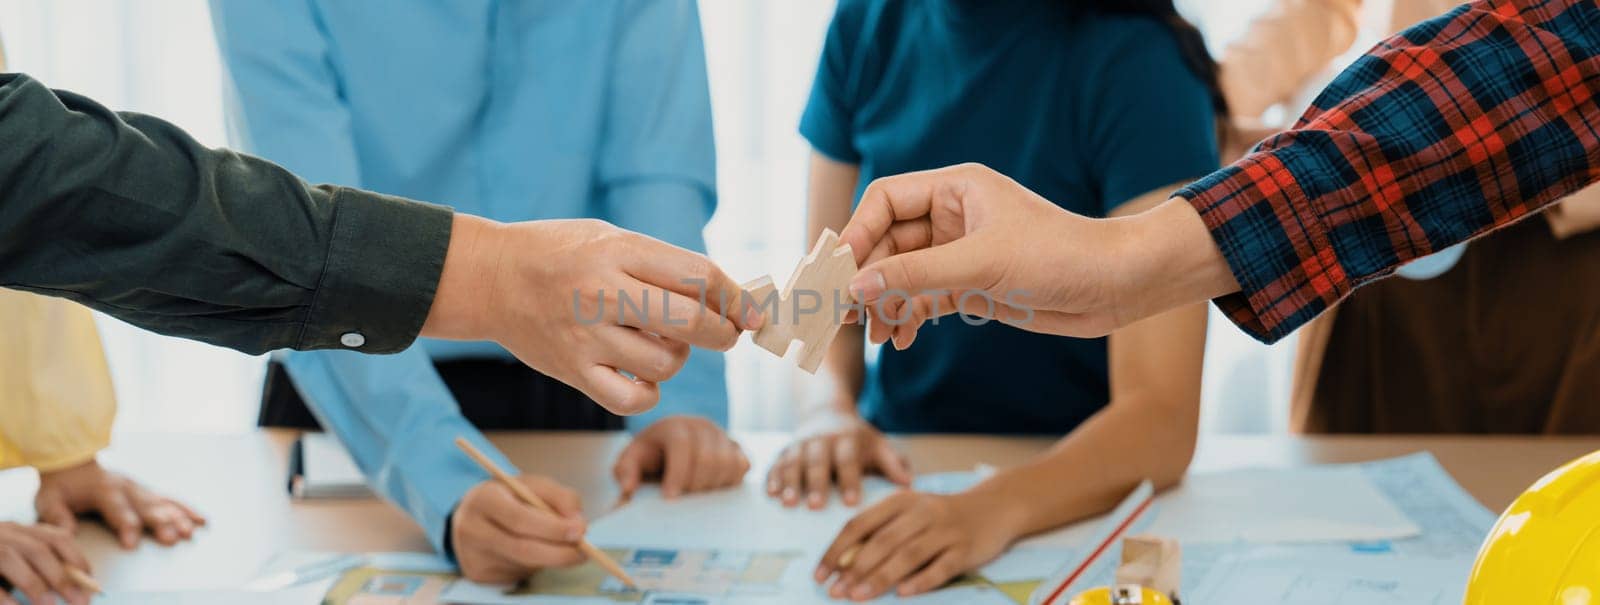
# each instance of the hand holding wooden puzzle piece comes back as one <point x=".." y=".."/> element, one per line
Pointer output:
<point x="811" y="307"/>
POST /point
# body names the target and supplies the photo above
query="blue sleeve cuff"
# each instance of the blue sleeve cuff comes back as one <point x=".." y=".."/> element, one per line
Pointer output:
<point x="399" y="423"/>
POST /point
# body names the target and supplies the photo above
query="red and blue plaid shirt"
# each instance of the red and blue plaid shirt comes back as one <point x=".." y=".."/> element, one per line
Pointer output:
<point x="1457" y="126"/>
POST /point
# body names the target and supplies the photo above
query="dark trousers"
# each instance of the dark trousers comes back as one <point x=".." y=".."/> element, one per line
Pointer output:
<point x="493" y="394"/>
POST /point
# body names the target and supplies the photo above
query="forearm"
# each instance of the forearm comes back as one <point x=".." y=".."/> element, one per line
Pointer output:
<point x="469" y="274"/>
<point x="1457" y="126"/>
<point x="1171" y="261"/>
<point x="1091" y="469"/>
<point x="845" y="367"/>
<point x="128" y="214"/>
<point x="397" y="419"/>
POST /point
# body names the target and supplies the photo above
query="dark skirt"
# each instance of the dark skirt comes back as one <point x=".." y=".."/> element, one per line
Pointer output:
<point x="493" y="394"/>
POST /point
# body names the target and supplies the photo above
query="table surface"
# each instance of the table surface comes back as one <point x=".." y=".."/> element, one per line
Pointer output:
<point x="239" y="482"/>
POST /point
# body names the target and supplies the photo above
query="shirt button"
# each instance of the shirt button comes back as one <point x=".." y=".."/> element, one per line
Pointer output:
<point x="353" y="340"/>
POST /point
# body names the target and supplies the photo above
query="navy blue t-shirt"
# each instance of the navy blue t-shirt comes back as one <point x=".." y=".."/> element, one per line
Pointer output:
<point x="1089" y="111"/>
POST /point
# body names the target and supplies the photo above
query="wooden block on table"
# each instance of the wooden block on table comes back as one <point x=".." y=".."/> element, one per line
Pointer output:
<point x="823" y="277"/>
<point x="1151" y="561"/>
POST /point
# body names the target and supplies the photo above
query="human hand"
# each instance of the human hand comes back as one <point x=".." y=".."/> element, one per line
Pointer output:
<point x="689" y="453"/>
<point x="499" y="539"/>
<point x="34" y="558"/>
<point x="913" y="542"/>
<point x="127" y="507"/>
<point x="966" y="238"/>
<point x="551" y="293"/>
<point x="832" y="445"/>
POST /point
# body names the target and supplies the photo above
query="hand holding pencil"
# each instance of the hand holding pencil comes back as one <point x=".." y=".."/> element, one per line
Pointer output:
<point x="42" y="560"/>
<point x="514" y="525"/>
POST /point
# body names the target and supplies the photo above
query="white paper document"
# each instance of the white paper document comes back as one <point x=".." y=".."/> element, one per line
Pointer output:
<point x="1269" y="576"/>
<point x="1317" y="504"/>
<point x="1268" y="506"/>
<point x="1327" y="535"/>
<point x="306" y="594"/>
<point x="1453" y="523"/>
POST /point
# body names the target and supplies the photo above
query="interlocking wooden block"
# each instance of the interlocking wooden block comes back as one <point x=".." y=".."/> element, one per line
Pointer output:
<point x="1150" y="561"/>
<point x="823" y="280"/>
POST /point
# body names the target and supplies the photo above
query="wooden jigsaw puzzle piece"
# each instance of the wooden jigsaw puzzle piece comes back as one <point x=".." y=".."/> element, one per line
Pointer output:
<point x="773" y="336"/>
<point x="1150" y="561"/>
<point x="824" y="278"/>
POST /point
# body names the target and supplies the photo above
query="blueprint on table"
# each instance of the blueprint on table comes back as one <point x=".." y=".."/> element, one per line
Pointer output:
<point x="770" y="551"/>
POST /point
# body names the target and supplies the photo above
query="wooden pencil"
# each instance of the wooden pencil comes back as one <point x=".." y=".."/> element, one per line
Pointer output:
<point x="84" y="580"/>
<point x="531" y="499"/>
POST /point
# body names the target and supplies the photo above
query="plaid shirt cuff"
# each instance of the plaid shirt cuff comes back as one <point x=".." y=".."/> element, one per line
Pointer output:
<point x="1276" y="245"/>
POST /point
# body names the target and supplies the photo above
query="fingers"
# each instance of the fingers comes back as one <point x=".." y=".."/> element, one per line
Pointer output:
<point x="638" y="458"/>
<point x="491" y="553"/>
<point x="887" y="555"/>
<point x="648" y="357"/>
<point x="892" y="463"/>
<point x="903" y="236"/>
<point x="16" y="570"/>
<point x="940" y="269"/>
<point x="855" y="532"/>
<point x="877" y="549"/>
<point x="194" y="517"/>
<point x="900" y="563"/>
<point x="847" y="465"/>
<point x="678" y="473"/>
<point x="31" y="559"/>
<point x="691" y="453"/>
<point x="163" y="520"/>
<point x="119" y="513"/>
<point x="726" y="462"/>
<point x="708" y="459"/>
<point x="693" y="275"/>
<point x="617" y="393"/>
<point x="61" y="544"/>
<point x="783" y="481"/>
<point x="499" y="538"/>
<point x="944" y="567"/>
<point x="886" y="201"/>
<point x="818" y="473"/>
<point x="565" y="500"/>
<point x="516" y="518"/>
<point x="682" y="317"/>
<point x="739" y="467"/>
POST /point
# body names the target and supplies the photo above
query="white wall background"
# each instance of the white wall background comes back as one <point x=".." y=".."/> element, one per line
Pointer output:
<point x="160" y="58"/>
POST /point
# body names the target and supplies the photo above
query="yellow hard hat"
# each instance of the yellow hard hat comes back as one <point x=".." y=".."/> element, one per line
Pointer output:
<point x="1121" y="595"/>
<point x="1546" y="547"/>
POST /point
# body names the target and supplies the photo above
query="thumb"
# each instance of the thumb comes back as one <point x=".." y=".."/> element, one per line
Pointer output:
<point x="53" y="510"/>
<point x="961" y="264"/>
<point x="894" y="467"/>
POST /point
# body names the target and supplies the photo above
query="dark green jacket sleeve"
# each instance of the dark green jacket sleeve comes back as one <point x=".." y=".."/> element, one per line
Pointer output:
<point x="127" y="214"/>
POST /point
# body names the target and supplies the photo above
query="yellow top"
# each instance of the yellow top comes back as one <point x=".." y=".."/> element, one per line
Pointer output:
<point x="56" y="401"/>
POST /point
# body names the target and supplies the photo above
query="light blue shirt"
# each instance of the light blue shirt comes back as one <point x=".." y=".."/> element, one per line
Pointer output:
<point x="510" y="110"/>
